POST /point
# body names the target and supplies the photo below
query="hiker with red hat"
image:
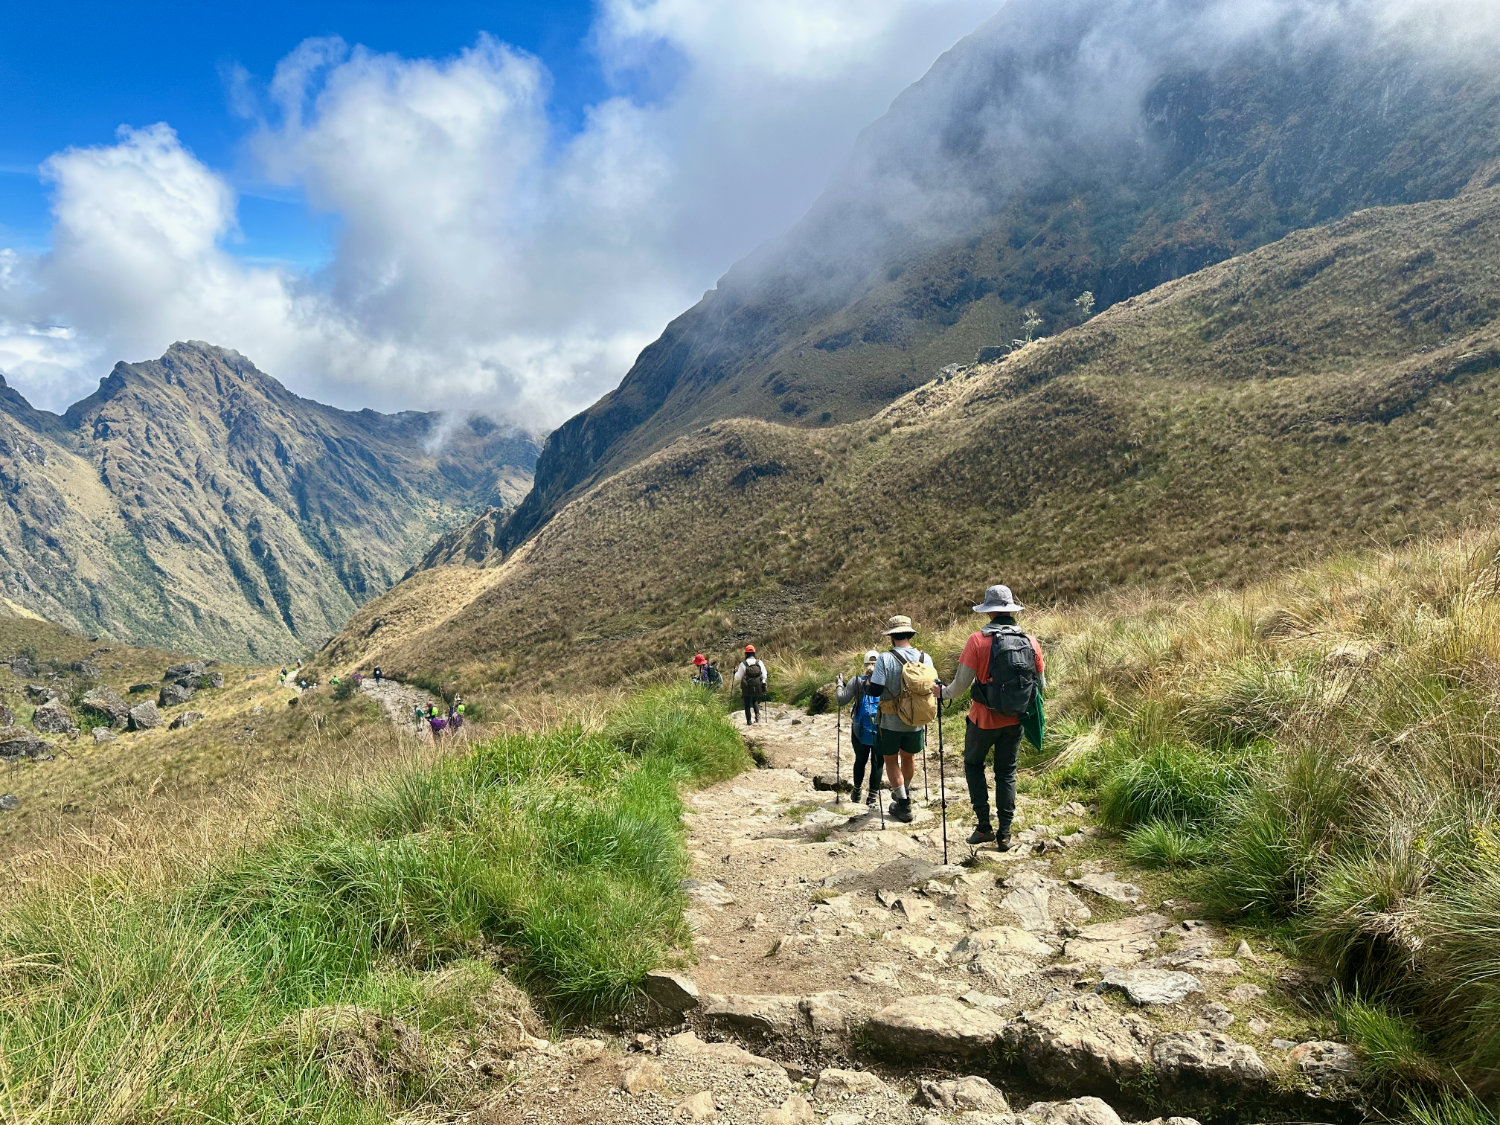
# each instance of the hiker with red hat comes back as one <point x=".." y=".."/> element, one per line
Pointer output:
<point x="705" y="674"/>
<point x="753" y="679"/>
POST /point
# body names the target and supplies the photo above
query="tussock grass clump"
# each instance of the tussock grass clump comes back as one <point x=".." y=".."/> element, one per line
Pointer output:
<point x="1324" y="753"/>
<point x="125" y="999"/>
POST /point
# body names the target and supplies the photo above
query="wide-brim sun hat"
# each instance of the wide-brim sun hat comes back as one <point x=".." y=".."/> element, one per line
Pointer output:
<point x="700" y="660"/>
<point x="899" y="624"/>
<point x="998" y="599"/>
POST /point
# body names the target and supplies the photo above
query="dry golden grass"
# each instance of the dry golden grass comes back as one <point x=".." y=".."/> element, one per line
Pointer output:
<point x="1332" y="390"/>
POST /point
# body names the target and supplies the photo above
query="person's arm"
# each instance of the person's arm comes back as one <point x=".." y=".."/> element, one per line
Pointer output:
<point x="963" y="679"/>
<point x="739" y="674"/>
<point x="1041" y="666"/>
<point x="850" y="691"/>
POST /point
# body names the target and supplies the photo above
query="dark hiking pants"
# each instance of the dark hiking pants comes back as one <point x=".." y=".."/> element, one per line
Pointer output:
<point x="751" y="705"/>
<point x="862" y="752"/>
<point x="1006" y="743"/>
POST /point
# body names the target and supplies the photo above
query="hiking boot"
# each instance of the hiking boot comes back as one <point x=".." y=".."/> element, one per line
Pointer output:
<point x="855" y="794"/>
<point x="983" y="834"/>
<point x="1003" y="842"/>
<point x="872" y="798"/>
<point x="901" y="810"/>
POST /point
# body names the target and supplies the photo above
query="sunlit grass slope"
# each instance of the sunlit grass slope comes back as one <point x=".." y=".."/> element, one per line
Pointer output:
<point x="183" y="987"/>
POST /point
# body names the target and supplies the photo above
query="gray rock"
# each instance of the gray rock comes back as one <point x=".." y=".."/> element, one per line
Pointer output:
<point x="829" y="1013"/>
<point x="18" y="742"/>
<point x="1246" y="993"/>
<point x="7" y="716"/>
<point x="186" y="673"/>
<point x="173" y="693"/>
<point x="52" y="718"/>
<point x="1040" y="904"/>
<point x="38" y="693"/>
<point x="186" y="719"/>
<point x="1078" y="1111"/>
<point x="938" y="1025"/>
<point x="968" y="1094"/>
<point x="106" y="701"/>
<point x="672" y="991"/>
<point x="209" y="680"/>
<point x="1217" y="1016"/>
<point x="834" y="1084"/>
<point x="755" y="1015"/>
<point x="640" y="1075"/>
<point x="1151" y="986"/>
<point x="1119" y="943"/>
<point x="20" y="667"/>
<point x="86" y="669"/>
<point x="137" y="689"/>
<point x="1080" y="1043"/>
<point x="1206" y="1064"/>
<point x="709" y="892"/>
<point x="104" y="734"/>
<point x="1109" y="886"/>
<point x="1004" y="940"/>
<point x="1324" y="1062"/>
<point x="9" y="802"/>
<point x="899" y="874"/>
<point x="145" y="716"/>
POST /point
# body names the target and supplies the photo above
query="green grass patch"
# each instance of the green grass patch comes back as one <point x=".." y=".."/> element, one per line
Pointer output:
<point x="120" y="1004"/>
<point x="1164" y="843"/>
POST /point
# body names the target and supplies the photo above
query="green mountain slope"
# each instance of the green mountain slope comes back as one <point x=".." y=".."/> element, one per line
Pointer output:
<point x="1337" y="387"/>
<point x="194" y="503"/>
<point x="1091" y="145"/>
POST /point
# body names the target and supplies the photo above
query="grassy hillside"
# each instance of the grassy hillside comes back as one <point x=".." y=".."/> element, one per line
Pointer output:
<point x="1338" y="387"/>
<point x="344" y="961"/>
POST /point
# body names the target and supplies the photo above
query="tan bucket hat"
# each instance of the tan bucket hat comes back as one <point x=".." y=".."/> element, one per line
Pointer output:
<point x="899" y="624"/>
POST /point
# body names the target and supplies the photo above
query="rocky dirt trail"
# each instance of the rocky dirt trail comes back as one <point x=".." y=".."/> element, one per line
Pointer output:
<point x="846" y="975"/>
<point x="397" y="700"/>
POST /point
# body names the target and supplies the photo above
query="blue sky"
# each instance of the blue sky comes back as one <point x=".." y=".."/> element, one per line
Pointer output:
<point x="72" y="72"/>
<point x="459" y="205"/>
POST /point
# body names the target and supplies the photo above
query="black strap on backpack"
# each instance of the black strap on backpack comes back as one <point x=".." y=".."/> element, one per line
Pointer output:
<point x="1013" y="677"/>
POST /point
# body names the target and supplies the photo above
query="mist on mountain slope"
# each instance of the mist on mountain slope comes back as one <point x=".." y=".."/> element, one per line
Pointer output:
<point x="1087" y="145"/>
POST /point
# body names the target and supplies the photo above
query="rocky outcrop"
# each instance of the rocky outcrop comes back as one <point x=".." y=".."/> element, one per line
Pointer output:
<point x="923" y="1026"/>
<point x="106" y="702"/>
<point x="52" y="718"/>
<point x="17" y="742"/>
<point x="145" y="716"/>
<point x="186" y="719"/>
<point x="173" y="693"/>
<point x="1080" y="1044"/>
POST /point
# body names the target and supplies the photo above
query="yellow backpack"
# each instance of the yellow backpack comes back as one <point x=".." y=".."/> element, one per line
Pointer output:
<point x="914" y="705"/>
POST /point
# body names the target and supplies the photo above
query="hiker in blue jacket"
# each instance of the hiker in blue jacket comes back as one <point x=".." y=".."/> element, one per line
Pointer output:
<point x="863" y="721"/>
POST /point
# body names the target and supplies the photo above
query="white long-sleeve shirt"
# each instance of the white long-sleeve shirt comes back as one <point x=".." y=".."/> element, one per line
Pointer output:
<point x="739" y="673"/>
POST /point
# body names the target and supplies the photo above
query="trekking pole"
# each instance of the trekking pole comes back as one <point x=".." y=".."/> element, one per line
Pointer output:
<point x="927" y="789"/>
<point x="838" y="749"/>
<point x="942" y="782"/>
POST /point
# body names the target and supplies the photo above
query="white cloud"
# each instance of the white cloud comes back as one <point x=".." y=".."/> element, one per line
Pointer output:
<point x="483" y="260"/>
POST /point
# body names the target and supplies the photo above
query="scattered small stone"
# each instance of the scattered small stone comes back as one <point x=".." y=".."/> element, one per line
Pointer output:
<point x="1242" y="949"/>
<point x="1246" y="993"/>
<point x="1109" y="886"/>
<point x="1078" y="1111"/>
<point x="104" y="734"/>
<point x="1324" y="1062"/>
<point x="835" y="1083"/>
<point x="1283" y="1044"/>
<point x="1258" y="1027"/>
<point x="793" y="1111"/>
<point x="1151" y="986"/>
<point x="709" y="892"/>
<point x="1217" y="1016"/>
<point x="641" y="1075"/>
<point x="186" y="719"/>
<point x="672" y="991"/>
<point x="699" y="1107"/>
<point x="9" y="802"/>
<point x="967" y="1094"/>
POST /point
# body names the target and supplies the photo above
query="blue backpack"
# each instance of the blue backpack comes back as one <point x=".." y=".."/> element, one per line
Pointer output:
<point x="866" y="716"/>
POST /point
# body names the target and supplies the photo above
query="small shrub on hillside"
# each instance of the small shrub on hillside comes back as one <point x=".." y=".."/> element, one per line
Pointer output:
<point x="343" y="690"/>
<point x="1169" y="783"/>
<point x="1390" y="1045"/>
<point x="1163" y="843"/>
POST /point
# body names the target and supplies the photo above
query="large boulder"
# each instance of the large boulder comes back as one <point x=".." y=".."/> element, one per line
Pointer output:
<point x="1206" y="1066"/>
<point x="1325" y="1063"/>
<point x="173" y="693"/>
<point x="186" y="719"/>
<point x="186" y="673"/>
<point x="39" y="693"/>
<point x="1079" y="1111"/>
<point x="934" y="1025"/>
<point x="104" y="734"/>
<point x="145" y="716"/>
<point x="21" y="667"/>
<point x="7" y="716"/>
<point x="210" y="680"/>
<point x="1080" y="1043"/>
<point x="18" y="742"/>
<point x="755" y="1015"/>
<point x="835" y="1085"/>
<point x="106" y="701"/>
<point x="52" y="718"/>
<point x="970" y="1094"/>
<point x="86" y="669"/>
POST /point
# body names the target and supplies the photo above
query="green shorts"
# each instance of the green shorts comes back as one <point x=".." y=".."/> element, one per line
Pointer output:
<point x="899" y="741"/>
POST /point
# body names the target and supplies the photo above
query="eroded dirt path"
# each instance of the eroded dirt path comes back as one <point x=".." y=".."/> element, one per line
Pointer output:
<point x="845" y="974"/>
<point x="399" y="700"/>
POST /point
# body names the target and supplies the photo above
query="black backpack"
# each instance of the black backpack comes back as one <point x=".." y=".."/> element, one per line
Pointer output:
<point x="753" y="683"/>
<point x="1013" y="675"/>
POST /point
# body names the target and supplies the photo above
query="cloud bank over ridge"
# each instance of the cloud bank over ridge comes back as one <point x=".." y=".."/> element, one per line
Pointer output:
<point x="484" y="260"/>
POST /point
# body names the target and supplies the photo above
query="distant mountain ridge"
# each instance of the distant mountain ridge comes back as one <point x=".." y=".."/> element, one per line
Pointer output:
<point x="195" y="503"/>
<point x="1067" y="145"/>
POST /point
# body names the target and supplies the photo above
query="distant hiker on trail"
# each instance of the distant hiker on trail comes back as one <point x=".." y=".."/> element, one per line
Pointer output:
<point x="752" y="678"/>
<point x="455" y="715"/>
<point x="377" y="673"/>
<point x="416" y="714"/>
<point x="705" y="674"/>
<point x="864" y="725"/>
<point x="905" y="682"/>
<point x="1004" y="667"/>
<point x="359" y="678"/>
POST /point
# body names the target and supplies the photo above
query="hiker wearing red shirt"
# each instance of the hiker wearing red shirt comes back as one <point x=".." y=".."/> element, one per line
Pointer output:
<point x="1004" y="668"/>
